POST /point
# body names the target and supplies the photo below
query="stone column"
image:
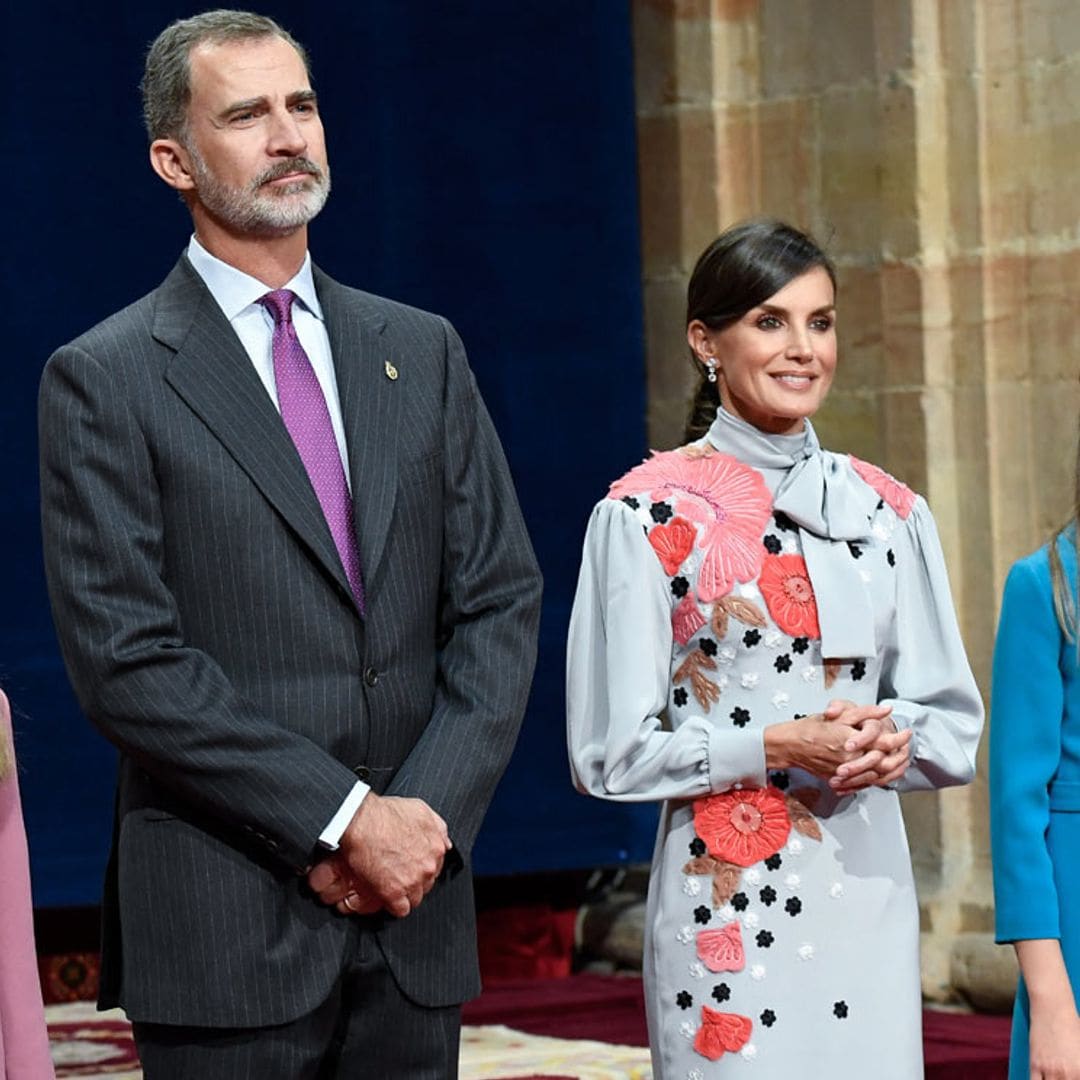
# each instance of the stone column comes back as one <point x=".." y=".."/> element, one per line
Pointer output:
<point x="931" y="146"/>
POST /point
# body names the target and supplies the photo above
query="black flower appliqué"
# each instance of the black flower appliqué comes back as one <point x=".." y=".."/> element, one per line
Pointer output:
<point x="800" y="645"/>
<point x="890" y="557"/>
<point x="751" y="638"/>
<point x="661" y="512"/>
<point x="783" y="522"/>
<point x="856" y="551"/>
<point x="774" y="862"/>
<point x="793" y="906"/>
<point x="631" y="502"/>
<point x="679" y="697"/>
<point x="707" y="646"/>
<point x="858" y="669"/>
<point x="768" y="896"/>
<point x="740" y="716"/>
<point x="721" y="991"/>
<point x="697" y="847"/>
<point x="782" y="663"/>
<point x="702" y="914"/>
<point x="772" y="544"/>
<point x="780" y="780"/>
<point x="740" y="901"/>
<point x="764" y="939"/>
<point x="684" y="999"/>
<point x="840" y="1010"/>
<point x="768" y="1017"/>
<point x="680" y="586"/>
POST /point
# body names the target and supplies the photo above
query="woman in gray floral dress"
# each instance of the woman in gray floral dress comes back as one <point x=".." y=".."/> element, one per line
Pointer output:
<point x="763" y="641"/>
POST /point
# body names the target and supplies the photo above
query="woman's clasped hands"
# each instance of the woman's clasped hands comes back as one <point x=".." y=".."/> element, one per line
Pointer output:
<point x="851" y="746"/>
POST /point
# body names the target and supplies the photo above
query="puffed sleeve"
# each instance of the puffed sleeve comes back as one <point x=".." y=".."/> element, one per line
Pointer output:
<point x="619" y="659"/>
<point x="1027" y="704"/>
<point x="925" y="673"/>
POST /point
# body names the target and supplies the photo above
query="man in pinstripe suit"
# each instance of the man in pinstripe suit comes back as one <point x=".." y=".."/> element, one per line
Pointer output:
<point x="306" y="749"/>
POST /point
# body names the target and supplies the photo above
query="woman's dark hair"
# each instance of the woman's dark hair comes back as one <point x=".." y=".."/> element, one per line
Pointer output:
<point x="740" y="269"/>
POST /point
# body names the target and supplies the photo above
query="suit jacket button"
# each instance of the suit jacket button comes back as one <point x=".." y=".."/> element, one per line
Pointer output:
<point x="362" y="772"/>
<point x="371" y="676"/>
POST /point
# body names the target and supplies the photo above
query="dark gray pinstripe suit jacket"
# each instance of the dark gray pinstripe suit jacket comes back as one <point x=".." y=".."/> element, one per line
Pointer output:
<point x="208" y="630"/>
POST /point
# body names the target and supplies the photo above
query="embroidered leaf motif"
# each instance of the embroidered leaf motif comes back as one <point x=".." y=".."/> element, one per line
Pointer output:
<point x="719" y="620"/>
<point x="722" y="950"/>
<point x="801" y="819"/>
<point x="721" y="1033"/>
<point x="832" y="670"/>
<point x="703" y="864"/>
<point x="704" y="689"/>
<point x="725" y="883"/>
<point x="744" y="610"/>
<point x="697" y="450"/>
<point x="686" y="620"/>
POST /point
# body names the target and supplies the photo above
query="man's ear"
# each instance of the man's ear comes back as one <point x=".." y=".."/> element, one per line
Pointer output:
<point x="172" y="162"/>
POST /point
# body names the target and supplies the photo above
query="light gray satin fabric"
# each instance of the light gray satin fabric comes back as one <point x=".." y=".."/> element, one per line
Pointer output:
<point x="822" y="495"/>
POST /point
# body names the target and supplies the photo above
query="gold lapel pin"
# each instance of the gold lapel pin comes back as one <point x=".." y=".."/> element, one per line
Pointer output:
<point x="391" y="371"/>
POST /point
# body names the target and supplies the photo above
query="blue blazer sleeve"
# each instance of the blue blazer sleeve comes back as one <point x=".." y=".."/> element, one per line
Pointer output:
<point x="1027" y="707"/>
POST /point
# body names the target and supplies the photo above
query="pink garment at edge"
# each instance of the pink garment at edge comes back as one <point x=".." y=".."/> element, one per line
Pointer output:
<point x="24" y="1042"/>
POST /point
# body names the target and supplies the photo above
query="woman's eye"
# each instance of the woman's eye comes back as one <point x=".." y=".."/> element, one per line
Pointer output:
<point x="821" y="324"/>
<point x="768" y="322"/>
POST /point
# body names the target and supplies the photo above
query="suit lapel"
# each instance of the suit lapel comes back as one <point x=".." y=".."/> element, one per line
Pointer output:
<point x="215" y="377"/>
<point x="371" y="409"/>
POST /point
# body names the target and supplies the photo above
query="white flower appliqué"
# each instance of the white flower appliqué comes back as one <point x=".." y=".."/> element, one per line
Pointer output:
<point x="757" y="972"/>
<point x="688" y="1029"/>
<point x="780" y="699"/>
<point x="806" y="951"/>
<point x="793" y="881"/>
<point x="749" y="680"/>
<point x="836" y="890"/>
<point x="685" y="935"/>
<point x="748" y="1052"/>
<point x="691" y="886"/>
<point x="696" y="969"/>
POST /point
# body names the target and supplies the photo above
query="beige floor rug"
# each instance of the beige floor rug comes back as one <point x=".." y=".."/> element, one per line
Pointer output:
<point x="88" y="1043"/>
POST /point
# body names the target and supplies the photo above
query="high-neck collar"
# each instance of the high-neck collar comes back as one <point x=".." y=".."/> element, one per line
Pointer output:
<point x="758" y="448"/>
<point x="832" y="508"/>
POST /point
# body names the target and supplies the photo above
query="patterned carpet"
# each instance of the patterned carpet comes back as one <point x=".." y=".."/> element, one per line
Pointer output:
<point x="88" y="1043"/>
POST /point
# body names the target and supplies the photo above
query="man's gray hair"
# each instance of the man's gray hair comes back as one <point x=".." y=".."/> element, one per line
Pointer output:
<point x="166" y="81"/>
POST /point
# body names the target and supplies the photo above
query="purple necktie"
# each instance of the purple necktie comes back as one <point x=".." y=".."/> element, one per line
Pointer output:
<point x="303" y="408"/>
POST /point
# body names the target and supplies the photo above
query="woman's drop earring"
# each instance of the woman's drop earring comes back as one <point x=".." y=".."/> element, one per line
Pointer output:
<point x="710" y="365"/>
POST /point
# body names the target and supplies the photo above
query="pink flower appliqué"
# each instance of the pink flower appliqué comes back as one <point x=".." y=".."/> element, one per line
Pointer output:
<point x="727" y="498"/>
<point x="721" y="1033"/>
<point x="789" y="596"/>
<point x="672" y="543"/>
<point x="743" y="827"/>
<point x="899" y="496"/>
<point x="722" y="950"/>
<point x="686" y="620"/>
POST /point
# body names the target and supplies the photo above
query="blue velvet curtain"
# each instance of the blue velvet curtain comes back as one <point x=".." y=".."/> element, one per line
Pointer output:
<point x="484" y="167"/>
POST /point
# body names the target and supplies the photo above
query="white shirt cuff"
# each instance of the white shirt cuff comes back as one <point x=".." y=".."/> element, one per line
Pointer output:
<point x="330" y="837"/>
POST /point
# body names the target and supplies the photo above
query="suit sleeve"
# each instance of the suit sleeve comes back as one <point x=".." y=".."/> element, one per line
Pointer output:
<point x="1027" y="706"/>
<point x="488" y="619"/>
<point x="925" y="676"/>
<point x="166" y="705"/>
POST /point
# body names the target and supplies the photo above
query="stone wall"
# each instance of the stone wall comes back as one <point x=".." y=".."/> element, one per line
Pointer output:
<point x="932" y="146"/>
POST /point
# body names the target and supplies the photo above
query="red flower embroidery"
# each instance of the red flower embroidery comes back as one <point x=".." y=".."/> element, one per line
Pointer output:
<point x="722" y="950"/>
<point x="727" y="498"/>
<point x="686" y="620"/>
<point x="721" y="1033"/>
<point x="899" y="496"/>
<point x="743" y="827"/>
<point x="673" y="542"/>
<point x="789" y="595"/>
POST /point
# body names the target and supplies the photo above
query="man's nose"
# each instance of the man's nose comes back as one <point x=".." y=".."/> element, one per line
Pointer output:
<point x="287" y="137"/>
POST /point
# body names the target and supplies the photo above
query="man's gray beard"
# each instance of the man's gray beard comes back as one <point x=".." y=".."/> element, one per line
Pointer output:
<point x="257" y="211"/>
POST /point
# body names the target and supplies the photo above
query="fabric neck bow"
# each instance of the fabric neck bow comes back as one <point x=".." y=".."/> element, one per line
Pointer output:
<point x="832" y="508"/>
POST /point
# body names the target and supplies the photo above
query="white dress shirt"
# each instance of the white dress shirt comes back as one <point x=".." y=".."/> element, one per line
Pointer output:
<point x="237" y="294"/>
